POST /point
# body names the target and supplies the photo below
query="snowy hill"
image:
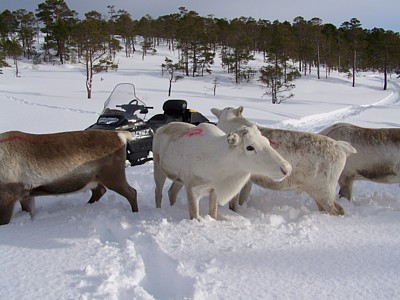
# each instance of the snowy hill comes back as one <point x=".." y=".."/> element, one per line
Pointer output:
<point x="278" y="246"/>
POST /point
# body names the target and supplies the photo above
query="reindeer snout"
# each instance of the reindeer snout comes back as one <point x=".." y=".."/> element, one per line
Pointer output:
<point x="286" y="169"/>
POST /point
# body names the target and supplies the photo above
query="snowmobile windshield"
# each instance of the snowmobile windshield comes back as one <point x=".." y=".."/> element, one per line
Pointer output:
<point x="123" y="93"/>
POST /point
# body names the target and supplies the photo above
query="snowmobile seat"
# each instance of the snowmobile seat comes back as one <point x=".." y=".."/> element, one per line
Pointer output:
<point x="176" y="109"/>
<point x="159" y="120"/>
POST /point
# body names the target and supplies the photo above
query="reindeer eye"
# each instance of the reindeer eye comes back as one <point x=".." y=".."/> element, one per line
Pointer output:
<point x="250" y="148"/>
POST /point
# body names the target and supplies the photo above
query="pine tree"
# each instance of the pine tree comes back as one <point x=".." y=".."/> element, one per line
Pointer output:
<point x="239" y="52"/>
<point x="278" y="82"/>
<point x="354" y="35"/>
<point x="172" y="68"/>
<point x="92" y="40"/>
<point x="124" y="26"/>
<point x="27" y="30"/>
<point x="14" y="50"/>
<point x="8" y="24"/>
<point x="58" y="20"/>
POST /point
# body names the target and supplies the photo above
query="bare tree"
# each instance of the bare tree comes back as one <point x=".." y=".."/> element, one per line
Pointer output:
<point x="215" y="84"/>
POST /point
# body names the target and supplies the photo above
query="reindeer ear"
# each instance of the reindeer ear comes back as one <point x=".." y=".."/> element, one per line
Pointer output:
<point x="216" y="112"/>
<point x="239" y="111"/>
<point x="233" y="139"/>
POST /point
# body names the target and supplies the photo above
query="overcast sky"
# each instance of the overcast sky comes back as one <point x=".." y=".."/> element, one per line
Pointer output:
<point x="371" y="13"/>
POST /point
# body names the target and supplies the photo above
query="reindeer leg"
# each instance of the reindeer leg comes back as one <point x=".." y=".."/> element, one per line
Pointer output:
<point x="245" y="192"/>
<point x="346" y="186"/>
<point x="9" y="195"/>
<point x="193" y="202"/>
<point x="28" y="205"/>
<point x="7" y="203"/>
<point x="326" y="202"/>
<point x="159" y="179"/>
<point x="234" y="203"/>
<point x="129" y="193"/>
<point x="117" y="182"/>
<point x="213" y="205"/>
<point x="173" y="192"/>
<point x="97" y="193"/>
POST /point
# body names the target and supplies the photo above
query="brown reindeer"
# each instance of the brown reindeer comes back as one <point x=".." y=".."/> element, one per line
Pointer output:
<point x="377" y="157"/>
<point x="50" y="164"/>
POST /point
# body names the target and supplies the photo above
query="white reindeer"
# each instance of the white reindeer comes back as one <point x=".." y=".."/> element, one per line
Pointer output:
<point x="317" y="160"/>
<point x="208" y="162"/>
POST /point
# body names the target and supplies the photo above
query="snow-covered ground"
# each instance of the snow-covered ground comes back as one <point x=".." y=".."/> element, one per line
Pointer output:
<point x="278" y="246"/>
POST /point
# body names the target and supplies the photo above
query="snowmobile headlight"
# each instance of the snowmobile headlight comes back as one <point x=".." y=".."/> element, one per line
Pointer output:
<point x="107" y="120"/>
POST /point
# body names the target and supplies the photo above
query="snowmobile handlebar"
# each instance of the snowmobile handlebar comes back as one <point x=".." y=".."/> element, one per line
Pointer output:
<point x="132" y="107"/>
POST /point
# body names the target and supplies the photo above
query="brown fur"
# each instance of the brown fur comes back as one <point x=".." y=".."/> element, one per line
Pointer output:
<point x="59" y="163"/>
<point x="377" y="158"/>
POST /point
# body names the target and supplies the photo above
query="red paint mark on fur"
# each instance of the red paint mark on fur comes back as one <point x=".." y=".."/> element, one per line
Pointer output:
<point x="20" y="138"/>
<point x="193" y="132"/>
<point x="273" y="143"/>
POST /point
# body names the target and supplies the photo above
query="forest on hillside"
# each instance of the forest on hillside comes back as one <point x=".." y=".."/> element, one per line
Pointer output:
<point x="289" y="49"/>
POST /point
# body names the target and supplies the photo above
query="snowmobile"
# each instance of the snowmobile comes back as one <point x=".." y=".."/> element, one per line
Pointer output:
<point x="117" y="116"/>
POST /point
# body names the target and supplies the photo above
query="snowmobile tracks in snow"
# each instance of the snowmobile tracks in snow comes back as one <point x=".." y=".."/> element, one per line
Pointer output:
<point x="317" y="122"/>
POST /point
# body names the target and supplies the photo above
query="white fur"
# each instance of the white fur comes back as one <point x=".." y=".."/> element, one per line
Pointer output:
<point x="317" y="160"/>
<point x="125" y="136"/>
<point x="211" y="162"/>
